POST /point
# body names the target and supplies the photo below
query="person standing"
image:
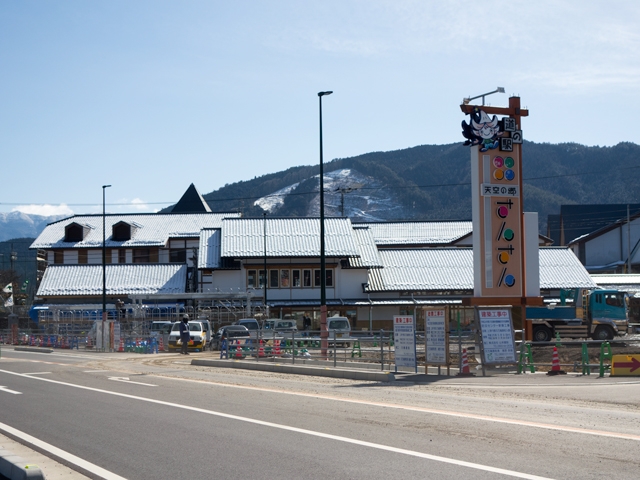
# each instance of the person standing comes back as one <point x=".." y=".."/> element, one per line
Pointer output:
<point x="184" y="335"/>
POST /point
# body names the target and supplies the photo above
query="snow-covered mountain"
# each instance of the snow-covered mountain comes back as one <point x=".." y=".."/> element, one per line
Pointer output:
<point x="348" y="193"/>
<point x="23" y="225"/>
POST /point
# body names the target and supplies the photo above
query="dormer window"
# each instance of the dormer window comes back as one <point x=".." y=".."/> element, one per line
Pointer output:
<point x="75" y="232"/>
<point x="122" y="231"/>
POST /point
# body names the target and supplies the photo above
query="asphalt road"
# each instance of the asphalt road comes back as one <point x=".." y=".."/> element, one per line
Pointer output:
<point x="156" y="417"/>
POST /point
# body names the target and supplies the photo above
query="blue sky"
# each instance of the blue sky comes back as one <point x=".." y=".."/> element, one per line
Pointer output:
<point x="150" y="96"/>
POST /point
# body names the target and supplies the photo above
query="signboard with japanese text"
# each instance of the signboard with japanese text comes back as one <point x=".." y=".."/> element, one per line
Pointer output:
<point x="496" y="173"/>
<point x="436" y="338"/>
<point x="404" y="339"/>
<point x="496" y="330"/>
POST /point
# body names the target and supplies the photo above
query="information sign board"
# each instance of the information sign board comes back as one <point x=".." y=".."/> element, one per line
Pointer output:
<point x="436" y="344"/>
<point x="404" y="338"/>
<point x="496" y="329"/>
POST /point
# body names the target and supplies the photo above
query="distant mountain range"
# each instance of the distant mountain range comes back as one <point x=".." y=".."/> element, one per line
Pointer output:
<point x="432" y="182"/>
<point x="23" y="225"/>
<point x="427" y="182"/>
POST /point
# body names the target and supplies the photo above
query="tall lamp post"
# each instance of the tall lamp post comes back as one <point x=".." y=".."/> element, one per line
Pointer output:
<point x="264" y="279"/>
<point x="104" y="267"/>
<point x="324" y="333"/>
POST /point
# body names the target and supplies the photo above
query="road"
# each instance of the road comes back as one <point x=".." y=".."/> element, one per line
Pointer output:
<point x="151" y="417"/>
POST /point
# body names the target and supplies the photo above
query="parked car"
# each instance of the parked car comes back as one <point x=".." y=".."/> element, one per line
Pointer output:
<point x="161" y="327"/>
<point x="339" y="327"/>
<point x="281" y="326"/>
<point x="229" y="332"/>
<point x="199" y="332"/>
<point x="250" y="323"/>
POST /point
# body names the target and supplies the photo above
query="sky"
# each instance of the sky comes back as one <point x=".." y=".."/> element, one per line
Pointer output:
<point x="151" y="96"/>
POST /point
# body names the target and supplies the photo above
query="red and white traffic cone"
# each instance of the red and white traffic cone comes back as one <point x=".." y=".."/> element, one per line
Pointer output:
<point x="464" y="369"/>
<point x="121" y="346"/>
<point x="238" y="349"/>
<point x="276" y="348"/>
<point x="261" y="349"/>
<point x="555" y="364"/>
<point x="161" y="343"/>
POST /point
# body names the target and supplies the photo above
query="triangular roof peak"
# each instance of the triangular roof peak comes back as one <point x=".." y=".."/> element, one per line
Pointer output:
<point x="191" y="202"/>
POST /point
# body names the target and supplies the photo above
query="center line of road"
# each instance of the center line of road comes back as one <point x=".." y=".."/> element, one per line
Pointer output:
<point x="353" y="441"/>
<point x="5" y="389"/>
<point x="38" y="373"/>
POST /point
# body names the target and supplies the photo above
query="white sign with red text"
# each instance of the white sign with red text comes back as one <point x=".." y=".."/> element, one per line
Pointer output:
<point x="497" y="335"/>
<point x="404" y="339"/>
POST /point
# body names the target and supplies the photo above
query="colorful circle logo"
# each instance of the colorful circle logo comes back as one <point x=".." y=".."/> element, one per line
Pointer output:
<point x="498" y="162"/>
<point x="508" y="234"/>
<point x="498" y="174"/>
<point x="503" y="212"/>
<point x="509" y="162"/>
<point x="509" y="175"/>
<point x="503" y="257"/>
<point x="509" y="280"/>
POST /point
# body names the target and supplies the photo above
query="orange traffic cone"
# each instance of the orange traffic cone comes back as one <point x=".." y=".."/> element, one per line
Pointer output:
<point x="276" y="349"/>
<point x="161" y="343"/>
<point x="555" y="364"/>
<point x="261" y="349"/>
<point x="121" y="346"/>
<point x="464" y="370"/>
<point x="238" y="350"/>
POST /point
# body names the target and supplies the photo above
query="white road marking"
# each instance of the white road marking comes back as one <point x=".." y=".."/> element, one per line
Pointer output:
<point x="38" y="373"/>
<point x="5" y="389"/>
<point x="95" y="371"/>
<point x="47" y="447"/>
<point x="353" y="441"/>
<point x="126" y="380"/>
<point x="487" y="418"/>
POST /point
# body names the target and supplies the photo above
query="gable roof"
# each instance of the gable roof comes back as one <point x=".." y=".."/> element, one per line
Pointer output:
<point x="191" y="202"/>
<point x="153" y="229"/>
<point x="418" y="233"/>
<point x="125" y="279"/>
<point x="579" y="220"/>
<point x="440" y="269"/>
<point x="286" y="237"/>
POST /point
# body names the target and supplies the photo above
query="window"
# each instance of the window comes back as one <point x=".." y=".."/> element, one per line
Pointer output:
<point x="328" y="275"/>
<point x="306" y="278"/>
<point x="121" y="232"/>
<point x="178" y="256"/>
<point x="74" y="233"/>
<point x="316" y="278"/>
<point x="261" y="275"/>
<point x="140" y="255"/>
<point x="295" y="278"/>
<point x="273" y="278"/>
<point x="284" y="278"/>
<point x="251" y="279"/>
<point x="122" y="256"/>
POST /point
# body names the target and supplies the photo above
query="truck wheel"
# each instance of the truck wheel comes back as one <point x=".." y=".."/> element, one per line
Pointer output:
<point x="541" y="334"/>
<point x="602" y="332"/>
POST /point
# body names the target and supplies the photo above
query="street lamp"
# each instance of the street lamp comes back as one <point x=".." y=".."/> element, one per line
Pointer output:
<point x="264" y="235"/>
<point x="104" y="267"/>
<point x="324" y="333"/>
<point x="466" y="101"/>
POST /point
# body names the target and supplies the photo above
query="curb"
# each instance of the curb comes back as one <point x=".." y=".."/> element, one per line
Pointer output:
<point x="16" y="468"/>
<point x="299" y="370"/>
<point x="33" y="349"/>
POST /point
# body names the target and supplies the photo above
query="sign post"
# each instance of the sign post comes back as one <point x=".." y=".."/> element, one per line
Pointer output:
<point x="436" y="339"/>
<point x="404" y="338"/>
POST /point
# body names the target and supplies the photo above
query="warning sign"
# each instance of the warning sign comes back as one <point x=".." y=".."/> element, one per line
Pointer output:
<point x="625" y="365"/>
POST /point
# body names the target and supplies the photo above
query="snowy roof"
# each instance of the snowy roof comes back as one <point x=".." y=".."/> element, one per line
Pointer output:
<point x="286" y="237"/>
<point x="441" y="269"/>
<point x="122" y="279"/>
<point x="418" y="233"/>
<point x="151" y="229"/>
<point x="368" y="251"/>
<point x="209" y="251"/>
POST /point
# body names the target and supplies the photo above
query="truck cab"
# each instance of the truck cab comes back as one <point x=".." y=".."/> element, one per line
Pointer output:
<point x="606" y="312"/>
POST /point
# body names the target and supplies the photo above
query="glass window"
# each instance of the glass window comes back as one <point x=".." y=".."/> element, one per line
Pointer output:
<point x="328" y="277"/>
<point x="273" y="278"/>
<point x="140" y="255"/>
<point x="316" y="278"/>
<point x="306" y="278"/>
<point x="295" y="278"/>
<point x="122" y="256"/>
<point x="251" y="278"/>
<point x="261" y="273"/>
<point x="178" y="256"/>
<point x="284" y="278"/>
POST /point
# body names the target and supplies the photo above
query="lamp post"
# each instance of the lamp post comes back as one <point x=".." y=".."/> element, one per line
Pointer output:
<point x="324" y="333"/>
<point x="466" y="101"/>
<point x="264" y="235"/>
<point x="104" y="266"/>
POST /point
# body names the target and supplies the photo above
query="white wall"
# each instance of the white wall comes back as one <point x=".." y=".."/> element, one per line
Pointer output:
<point x="94" y="256"/>
<point x="70" y="257"/>
<point x="349" y="283"/>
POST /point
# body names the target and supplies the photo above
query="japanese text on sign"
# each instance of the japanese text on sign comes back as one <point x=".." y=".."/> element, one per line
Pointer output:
<point x="497" y="336"/>
<point x="436" y="337"/>
<point x="404" y="339"/>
